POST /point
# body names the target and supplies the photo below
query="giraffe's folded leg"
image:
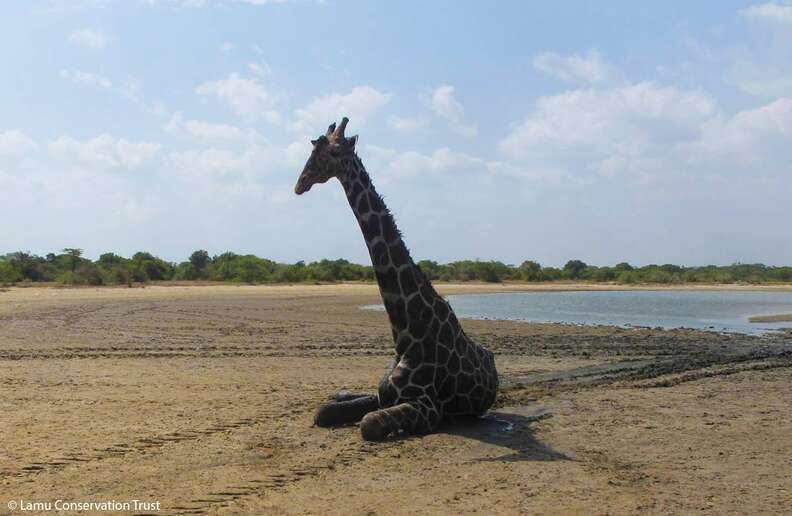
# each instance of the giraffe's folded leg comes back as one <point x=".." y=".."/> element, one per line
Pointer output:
<point x="338" y="413"/>
<point x="348" y="396"/>
<point x="412" y="417"/>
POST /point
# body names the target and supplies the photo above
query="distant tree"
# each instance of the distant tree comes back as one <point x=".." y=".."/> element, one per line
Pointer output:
<point x="574" y="269"/>
<point x="658" y="275"/>
<point x="222" y="267"/>
<point x="71" y="267"/>
<point x="185" y="271"/>
<point x="200" y="259"/>
<point x="627" y="277"/>
<point x="622" y="267"/>
<point x="73" y="256"/>
<point x="110" y="259"/>
<point x="671" y="268"/>
<point x="530" y="271"/>
<point x="430" y="268"/>
<point x="89" y="274"/>
<point x="250" y="269"/>
<point x="8" y="274"/>
<point x="603" y="274"/>
<point x="290" y="273"/>
<point x="551" y="273"/>
<point x="25" y="264"/>
<point x="146" y="266"/>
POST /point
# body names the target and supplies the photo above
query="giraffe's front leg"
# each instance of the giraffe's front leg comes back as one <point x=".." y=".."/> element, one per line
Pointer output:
<point x="419" y="416"/>
<point x="338" y="413"/>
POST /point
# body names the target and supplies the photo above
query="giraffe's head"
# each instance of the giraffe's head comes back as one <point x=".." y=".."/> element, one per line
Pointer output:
<point x="331" y="152"/>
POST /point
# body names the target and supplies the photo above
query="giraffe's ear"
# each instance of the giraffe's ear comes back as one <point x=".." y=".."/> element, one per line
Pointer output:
<point x="352" y="141"/>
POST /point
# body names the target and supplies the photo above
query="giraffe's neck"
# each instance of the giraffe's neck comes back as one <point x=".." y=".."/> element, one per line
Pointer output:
<point x="399" y="279"/>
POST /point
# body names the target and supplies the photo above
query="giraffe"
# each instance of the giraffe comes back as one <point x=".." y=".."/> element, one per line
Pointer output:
<point x="437" y="372"/>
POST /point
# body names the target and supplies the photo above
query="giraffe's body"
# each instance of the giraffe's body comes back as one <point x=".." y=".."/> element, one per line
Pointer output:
<point x="437" y="372"/>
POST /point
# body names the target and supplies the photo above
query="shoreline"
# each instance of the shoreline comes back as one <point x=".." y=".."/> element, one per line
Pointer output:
<point x="442" y="287"/>
<point x="770" y="318"/>
<point x="364" y="293"/>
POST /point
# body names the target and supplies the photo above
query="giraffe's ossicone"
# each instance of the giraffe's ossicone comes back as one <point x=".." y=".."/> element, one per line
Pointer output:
<point x="437" y="372"/>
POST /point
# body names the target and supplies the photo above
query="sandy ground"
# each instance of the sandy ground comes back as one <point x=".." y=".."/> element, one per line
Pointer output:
<point x="202" y="398"/>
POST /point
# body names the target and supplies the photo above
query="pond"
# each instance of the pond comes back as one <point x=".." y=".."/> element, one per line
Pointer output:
<point x="709" y="310"/>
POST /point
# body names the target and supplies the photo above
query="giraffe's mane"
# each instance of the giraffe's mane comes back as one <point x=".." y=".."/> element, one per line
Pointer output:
<point x="380" y="198"/>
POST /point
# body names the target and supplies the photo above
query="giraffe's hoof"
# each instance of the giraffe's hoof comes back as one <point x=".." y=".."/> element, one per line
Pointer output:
<point x="372" y="428"/>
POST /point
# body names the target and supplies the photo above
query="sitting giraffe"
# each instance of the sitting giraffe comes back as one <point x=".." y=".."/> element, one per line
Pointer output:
<point x="438" y="372"/>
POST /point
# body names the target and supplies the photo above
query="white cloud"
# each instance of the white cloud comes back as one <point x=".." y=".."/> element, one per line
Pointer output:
<point x="132" y="89"/>
<point x="647" y="133"/>
<point x="202" y="162"/>
<point x="446" y="106"/>
<point x="88" y="38"/>
<point x="357" y="105"/>
<point x="104" y="152"/>
<point x="106" y="183"/>
<point x="391" y="164"/>
<point x="202" y="3"/>
<point x="85" y="78"/>
<point x="263" y="2"/>
<point x="408" y="124"/>
<point x="260" y="69"/>
<point x="59" y="6"/>
<point x="248" y="98"/>
<point x="158" y="108"/>
<point x="14" y="143"/>
<point x="214" y="169"/>
<point x="771" y="87"/>
<point x="547" y="172"/>
<point x="761" y="135"/>
<point x="769" y="12"/>
<point x="589" y="68"/>
<point x="762" y="65"/>
<point x="212" y="132"/>
<point x="625" y="120"/>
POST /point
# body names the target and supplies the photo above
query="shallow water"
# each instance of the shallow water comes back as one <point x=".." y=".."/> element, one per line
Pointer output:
<point x="707" y="310"/>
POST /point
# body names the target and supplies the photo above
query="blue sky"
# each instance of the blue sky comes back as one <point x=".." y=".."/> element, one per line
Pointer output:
<point x="604" y="131"/>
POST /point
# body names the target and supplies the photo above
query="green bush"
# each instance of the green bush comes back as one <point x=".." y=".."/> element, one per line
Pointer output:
<point x="70" y="267"/>
<point x="8" y="274"/>
<point x="603" y="274"/>
<point x="530" y="271"/>
<point x="186" y="271"/>
<point x="250" y="269"/>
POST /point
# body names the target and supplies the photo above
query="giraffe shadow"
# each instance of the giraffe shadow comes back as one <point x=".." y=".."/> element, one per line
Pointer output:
<point x="510" y="429"/>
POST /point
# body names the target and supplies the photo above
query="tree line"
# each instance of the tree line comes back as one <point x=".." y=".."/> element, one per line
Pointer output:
<point x="70" y="267"/>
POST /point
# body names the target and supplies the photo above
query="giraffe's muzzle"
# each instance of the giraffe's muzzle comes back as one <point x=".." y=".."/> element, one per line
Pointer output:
<point x="302" y="186"/>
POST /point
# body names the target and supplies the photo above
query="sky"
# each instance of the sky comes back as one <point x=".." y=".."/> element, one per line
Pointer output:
<point x="602" y="131"/>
